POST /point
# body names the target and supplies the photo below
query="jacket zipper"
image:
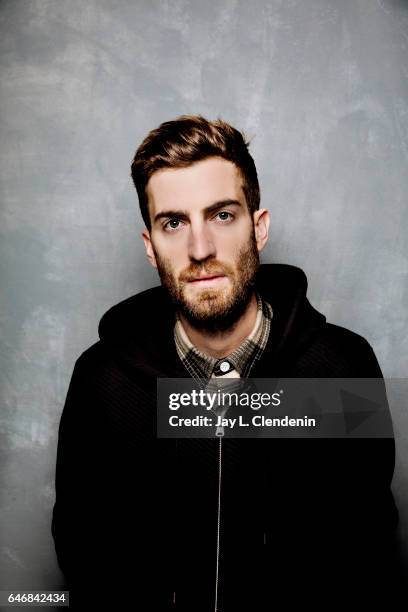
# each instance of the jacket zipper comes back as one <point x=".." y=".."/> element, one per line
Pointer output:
<point x="220" y="435"/>
<point x="218" y="520"/>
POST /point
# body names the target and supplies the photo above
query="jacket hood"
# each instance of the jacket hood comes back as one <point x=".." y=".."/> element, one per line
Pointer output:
<point x="142" y="325"/>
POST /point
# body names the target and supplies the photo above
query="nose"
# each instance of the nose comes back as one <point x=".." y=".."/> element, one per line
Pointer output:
<point x="201" y="244"/>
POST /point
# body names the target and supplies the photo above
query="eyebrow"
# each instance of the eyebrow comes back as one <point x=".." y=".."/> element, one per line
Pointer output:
<point x="165" y="214"/>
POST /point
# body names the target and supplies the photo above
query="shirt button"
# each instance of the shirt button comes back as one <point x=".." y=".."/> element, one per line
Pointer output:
<point x="224" y="366"/>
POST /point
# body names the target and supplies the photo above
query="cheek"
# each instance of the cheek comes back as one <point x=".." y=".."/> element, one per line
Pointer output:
<point x="172" y="253"/>
<point x="228" y="249"/>
<point x="229" y="243"/>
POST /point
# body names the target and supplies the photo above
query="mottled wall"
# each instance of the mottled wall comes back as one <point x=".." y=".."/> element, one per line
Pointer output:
<point x="322" y="86"/>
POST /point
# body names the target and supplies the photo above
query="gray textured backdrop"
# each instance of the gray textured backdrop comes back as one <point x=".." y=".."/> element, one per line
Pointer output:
<point x="321" y="86"/>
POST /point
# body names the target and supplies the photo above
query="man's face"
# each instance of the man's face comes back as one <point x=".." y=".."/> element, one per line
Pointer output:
<point x="203" y="242"/>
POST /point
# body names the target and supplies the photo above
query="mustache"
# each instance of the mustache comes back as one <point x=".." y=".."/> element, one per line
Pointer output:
<point x="213" y="268"/>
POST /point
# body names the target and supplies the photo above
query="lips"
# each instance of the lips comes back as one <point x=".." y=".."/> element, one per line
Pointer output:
<point x="206" y="278"/>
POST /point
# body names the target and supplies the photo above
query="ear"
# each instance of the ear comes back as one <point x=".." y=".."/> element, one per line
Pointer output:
<point x="261" y="227"/>
<point x="149" y="247"/>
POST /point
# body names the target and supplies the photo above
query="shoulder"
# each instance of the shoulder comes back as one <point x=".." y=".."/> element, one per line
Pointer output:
<point x="344" y="353"/>
<point x="136" y="316"/>
<point x="93" y="355"/>
<point x="134" y="321"/>
<point x="93" y="364"/>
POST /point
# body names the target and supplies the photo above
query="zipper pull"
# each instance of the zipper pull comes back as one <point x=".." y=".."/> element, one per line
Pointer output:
<point x="220" y="431"/>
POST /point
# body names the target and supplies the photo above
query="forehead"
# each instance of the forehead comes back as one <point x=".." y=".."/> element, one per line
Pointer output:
<point x="194" y="187"/>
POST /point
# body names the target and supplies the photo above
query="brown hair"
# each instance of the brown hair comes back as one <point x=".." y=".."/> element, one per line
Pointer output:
<point x="188" y="139"/>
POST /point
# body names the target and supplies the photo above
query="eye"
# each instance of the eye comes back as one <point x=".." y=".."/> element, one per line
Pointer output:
<point x="172" y="224"/>
<point x="224" y="215"/>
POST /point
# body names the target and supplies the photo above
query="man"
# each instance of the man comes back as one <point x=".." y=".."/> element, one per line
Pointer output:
<point x="214" y="524"/>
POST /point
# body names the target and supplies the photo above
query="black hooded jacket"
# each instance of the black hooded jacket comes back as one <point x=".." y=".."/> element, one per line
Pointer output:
<point x="217" y="524"/>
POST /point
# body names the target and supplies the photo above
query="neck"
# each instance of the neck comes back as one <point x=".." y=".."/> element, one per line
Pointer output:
<point x="223" y="343"/>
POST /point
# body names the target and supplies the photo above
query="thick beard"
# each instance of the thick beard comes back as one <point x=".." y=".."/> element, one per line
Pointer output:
<point x="213" y="311"/>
